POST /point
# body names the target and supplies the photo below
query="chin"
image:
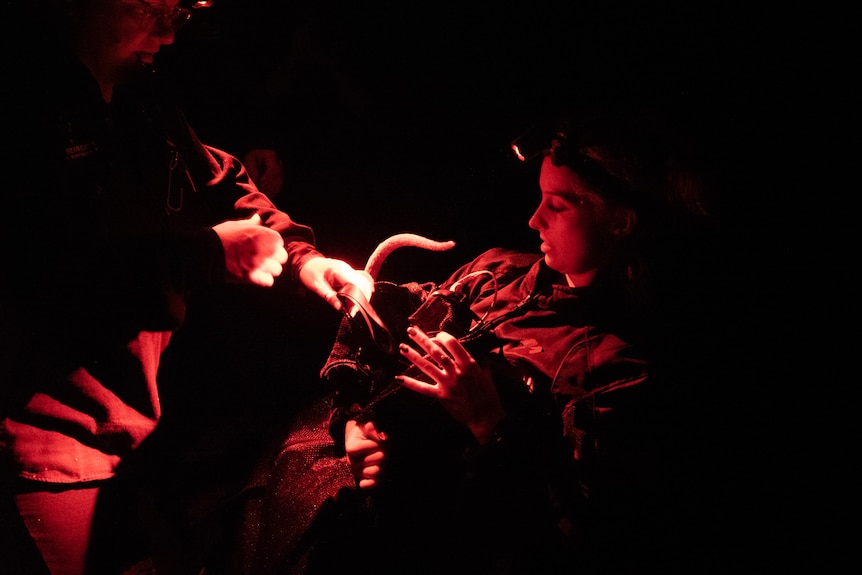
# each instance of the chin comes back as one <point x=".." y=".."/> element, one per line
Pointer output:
<point x="554" y="265"/>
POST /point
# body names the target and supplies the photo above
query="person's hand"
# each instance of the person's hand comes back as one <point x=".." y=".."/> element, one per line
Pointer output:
<point x="464" y="388"/>
<point x="365" y="451"/>
<point x="253" y="253"/>
<point x="266" y="170"/>
<point x="324" y="276"/>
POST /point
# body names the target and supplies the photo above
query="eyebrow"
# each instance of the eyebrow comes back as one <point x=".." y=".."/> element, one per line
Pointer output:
<point x="566" y="194"/>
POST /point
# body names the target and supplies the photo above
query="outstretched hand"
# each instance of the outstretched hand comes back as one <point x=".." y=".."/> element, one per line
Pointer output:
<point x="253" y="252"/>
<point x="325" y="276"/>
<point x="464" y="388"/>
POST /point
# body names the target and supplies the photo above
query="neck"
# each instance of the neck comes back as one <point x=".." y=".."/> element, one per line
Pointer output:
<point x="580" y="280"/>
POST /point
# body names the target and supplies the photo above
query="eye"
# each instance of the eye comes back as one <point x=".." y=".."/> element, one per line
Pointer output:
<point x="556" y="206"/>
<point x="561" y="202"/>
<point x="567" y="203"/>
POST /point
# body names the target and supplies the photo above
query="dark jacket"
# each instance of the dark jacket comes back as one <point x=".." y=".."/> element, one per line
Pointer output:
<point x="569" y="480"/>
<point x="107" y="235"/>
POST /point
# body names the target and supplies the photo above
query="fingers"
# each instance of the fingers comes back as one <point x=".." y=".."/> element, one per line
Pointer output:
<point x="438" y="370"/>
<point x="453" y="348"/>
<point x="366" y="469"/>
<point x="253" y="252"/>
<point x="269" y="269"/>
<point x="366" y="483"/>
<point x="445" y="362"/>
<point x="332" y="300"/>
<point x="429" y="389"/>
<point x="324" y="276"/>
<point x="362" y="446"/>
<point x="365" y="452"/>
<point x="261" y="278"/>
<point x="442" y="348"/>
<point x="341" y="274"/>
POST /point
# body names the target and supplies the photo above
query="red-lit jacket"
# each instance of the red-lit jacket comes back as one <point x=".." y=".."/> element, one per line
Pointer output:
<point x="567" y="468"/>
<point x="107" y="232"/>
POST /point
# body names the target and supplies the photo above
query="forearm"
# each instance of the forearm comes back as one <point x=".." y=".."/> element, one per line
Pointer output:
<point x="299" y="239"/>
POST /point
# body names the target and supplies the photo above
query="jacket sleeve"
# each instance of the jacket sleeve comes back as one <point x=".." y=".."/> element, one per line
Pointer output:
<point x="227" y="185"/>
<point x="299" y="240"/>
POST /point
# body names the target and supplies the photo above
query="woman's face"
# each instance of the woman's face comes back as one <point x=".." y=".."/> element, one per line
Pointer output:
<point x="577" y="227"/>
<point x="116" y="38"/>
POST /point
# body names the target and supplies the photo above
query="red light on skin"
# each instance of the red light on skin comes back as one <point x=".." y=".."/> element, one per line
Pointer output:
<point x="518" y="152"/>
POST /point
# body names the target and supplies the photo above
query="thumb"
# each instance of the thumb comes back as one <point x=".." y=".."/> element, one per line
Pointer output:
<point x="255" y="219"/>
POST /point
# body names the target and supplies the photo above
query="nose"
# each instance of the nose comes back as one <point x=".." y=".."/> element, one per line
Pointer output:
<point x="534" y="221"/>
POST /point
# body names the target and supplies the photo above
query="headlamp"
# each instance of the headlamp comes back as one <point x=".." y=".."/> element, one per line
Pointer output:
<point x="197" y="4"/>
<point x="560" y="144"/>
<point x="532" y="143"/>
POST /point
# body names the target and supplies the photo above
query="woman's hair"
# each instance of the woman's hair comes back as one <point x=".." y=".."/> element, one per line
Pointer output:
<point x="637" y="159"/>
<point x="641" y="160"/>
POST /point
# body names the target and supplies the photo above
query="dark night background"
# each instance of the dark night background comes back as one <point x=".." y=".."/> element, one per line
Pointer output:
<point x="396" y="117"/>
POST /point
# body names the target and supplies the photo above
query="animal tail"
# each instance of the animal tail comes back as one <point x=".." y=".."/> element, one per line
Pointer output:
<point x="392" y="243"/>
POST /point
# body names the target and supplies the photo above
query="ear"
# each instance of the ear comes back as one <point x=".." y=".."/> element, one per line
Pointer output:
<point x="623" y="222"/>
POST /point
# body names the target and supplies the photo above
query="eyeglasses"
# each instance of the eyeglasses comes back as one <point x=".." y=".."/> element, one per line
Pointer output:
<point x="153" y="14"/>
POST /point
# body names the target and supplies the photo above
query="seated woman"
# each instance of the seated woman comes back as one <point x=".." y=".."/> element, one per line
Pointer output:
<point x="531" y="430"/>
